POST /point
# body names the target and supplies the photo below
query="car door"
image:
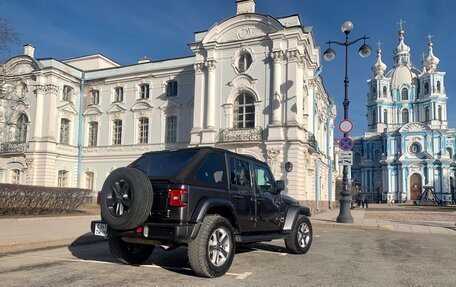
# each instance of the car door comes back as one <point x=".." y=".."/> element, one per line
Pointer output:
<point x="242" y="193"/>
<point x="268" y="201"/>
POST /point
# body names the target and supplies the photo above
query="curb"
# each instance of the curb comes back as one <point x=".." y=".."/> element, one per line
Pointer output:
<point x="37" y="245"/>
<point x="43" y="218"/>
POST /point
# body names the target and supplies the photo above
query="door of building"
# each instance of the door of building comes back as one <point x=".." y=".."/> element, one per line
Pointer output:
<point x="416" y="186"/>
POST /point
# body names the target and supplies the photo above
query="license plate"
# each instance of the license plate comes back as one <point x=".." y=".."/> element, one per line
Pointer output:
<point x="101" y="229"/>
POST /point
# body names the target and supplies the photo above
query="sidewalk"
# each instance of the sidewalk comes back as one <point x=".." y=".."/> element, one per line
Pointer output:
<point x="23" y="234"/>
<point x="328" y="219"/>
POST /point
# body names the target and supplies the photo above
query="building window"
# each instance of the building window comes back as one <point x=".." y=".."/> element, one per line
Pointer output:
<point x="171" y="89"/>
<point x="245" y="60"/>
<point x="21" y="128"/>
<point x="15" y="176"/>
<point x="426" y="114"/>
<point x="94" y="97"/>
<point x="384" y="91"/>
<point x="357" y="158"/>
<point x="426" y="88"/>
<point x="374" y="117"/>
<point x="374" y="90"/>
<point x="144" y="91"/>
<point x="64" y="131"/>
<point x="143" y="130"/>
<point x="117" y="132"/>
<point x="404" y="94"/>
<point x="171" y="129"/>
<point x="385" y="116"/>
<point x="93" y="133"/>
<point x="244" y="111"/>
<point x="118" y="94"/>
<point x="439" y="113"/>
<point x="439" y="88"/>
<point x="405" y="116"/>
<point x="90" y="176"/>
<point x="62" y="179"/>
<point x="67" y="93"/>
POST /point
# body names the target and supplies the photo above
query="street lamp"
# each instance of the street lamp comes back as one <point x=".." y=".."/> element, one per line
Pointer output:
<point x="329" y="55"/>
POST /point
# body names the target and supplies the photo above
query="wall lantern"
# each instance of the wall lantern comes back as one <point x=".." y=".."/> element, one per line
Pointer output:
<point x="288" y="166"/>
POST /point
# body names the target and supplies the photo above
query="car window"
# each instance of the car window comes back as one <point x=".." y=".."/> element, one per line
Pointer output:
<point x="164" y="164"/>
<point x="239" y="172"/>
<point x="211" y="171"/>
<point x="263" y="179"/>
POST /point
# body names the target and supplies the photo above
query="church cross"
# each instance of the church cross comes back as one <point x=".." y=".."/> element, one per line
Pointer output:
<point x="401" y="22"/>
<point x="378" y="45"/>
<point x="429" y="36"/>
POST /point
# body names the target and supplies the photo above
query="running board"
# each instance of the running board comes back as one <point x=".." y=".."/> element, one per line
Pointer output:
<point x="260" y="237"/>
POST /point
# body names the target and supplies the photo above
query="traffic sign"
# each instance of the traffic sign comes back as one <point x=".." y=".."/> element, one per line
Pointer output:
<point x="346" y="126"/>
<point x="345" y="144"/>
<point x="345" y="158"/>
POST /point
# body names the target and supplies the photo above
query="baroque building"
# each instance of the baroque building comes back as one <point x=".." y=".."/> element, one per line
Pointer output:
<point x="253" y="86"/>
<point x="408" y="144"/>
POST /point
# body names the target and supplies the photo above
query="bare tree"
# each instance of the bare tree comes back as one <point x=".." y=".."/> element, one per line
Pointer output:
<point x="8" y="37"/>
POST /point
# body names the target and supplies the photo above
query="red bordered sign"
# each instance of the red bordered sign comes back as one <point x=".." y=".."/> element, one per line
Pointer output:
<point x="346" y="144"/>
<point x="346" y="126"/>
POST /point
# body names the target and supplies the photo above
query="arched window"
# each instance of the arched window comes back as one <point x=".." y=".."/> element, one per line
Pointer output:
<point x="449" y="152"/>
<point x="384" y="91"/>
<point x="426" y="114"/>
<point x="245" y="60"/>
<point x="21" y="128"/>
<point x="439" y="113"/>
<point x="93" y="133"/>
<point x="404" y="94"/>
<point x="65" y="131"/>
<point x="244" y="111"/>
<point x="439" y="88"/>
<point x="15" y="176"/>
<point x="405" y="116"/>
<point x="426" y="88"/>
<point x="143" y="128"/>
<point x="385" y="116"/>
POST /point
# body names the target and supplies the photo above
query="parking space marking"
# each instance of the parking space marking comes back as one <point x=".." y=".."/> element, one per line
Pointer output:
<point x="269" y="252"/>
<point x="239" y="276"/>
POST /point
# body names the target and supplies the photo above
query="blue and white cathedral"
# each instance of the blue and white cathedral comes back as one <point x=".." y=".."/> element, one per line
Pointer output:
<point x="408" y="144"/>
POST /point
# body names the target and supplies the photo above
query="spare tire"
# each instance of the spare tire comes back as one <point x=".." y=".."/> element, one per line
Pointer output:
<point x="126" y="198"/>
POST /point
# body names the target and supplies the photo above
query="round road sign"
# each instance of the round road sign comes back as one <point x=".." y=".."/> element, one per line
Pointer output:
<point x="346" y="126"/>
<point x="345" y="144"/>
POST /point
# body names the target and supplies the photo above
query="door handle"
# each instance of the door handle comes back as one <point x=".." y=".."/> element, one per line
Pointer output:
<point x="238" y="196"/>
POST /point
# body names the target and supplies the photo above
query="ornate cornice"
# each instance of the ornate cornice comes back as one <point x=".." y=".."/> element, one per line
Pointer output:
<point x="211" y="65"/>
<point x="199" y="67"/>
<point x="293" y="55"/>
<point x="40" y="89"/>
<point x="51" y="89"/>
<point x="277" y="56"/>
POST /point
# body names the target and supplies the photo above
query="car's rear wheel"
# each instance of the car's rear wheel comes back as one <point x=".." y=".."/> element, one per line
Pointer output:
<point x="129" y="253"/>
<point x="212" y="251"/>
<point x="126" y="198"/>
<point x="300" y="239"/>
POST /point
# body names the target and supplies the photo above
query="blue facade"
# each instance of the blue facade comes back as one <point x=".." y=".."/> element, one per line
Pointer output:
<point x="408" y="144"/>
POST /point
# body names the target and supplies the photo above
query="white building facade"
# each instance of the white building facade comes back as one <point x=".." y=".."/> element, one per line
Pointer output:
<point x="252" y="86"/>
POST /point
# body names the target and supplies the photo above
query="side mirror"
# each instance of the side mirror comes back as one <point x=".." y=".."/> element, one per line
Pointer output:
<point x="280" y="185"/>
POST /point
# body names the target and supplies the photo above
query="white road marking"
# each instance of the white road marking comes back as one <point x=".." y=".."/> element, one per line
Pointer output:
<point x="239" y="276"/>
<point x="316" y="236"/>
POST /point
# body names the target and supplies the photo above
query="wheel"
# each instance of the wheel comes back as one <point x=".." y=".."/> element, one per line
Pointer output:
<point x="129" y="253"/>
<point x="212" y="251"/>
<point x="126" y="198"/>
<point x="300" y="239"/>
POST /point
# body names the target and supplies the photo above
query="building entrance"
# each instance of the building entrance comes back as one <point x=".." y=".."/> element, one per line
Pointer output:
<point x="416" y="186"/>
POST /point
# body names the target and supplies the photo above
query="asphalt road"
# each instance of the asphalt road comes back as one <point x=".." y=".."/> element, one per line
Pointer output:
<point x="338" y="257"/>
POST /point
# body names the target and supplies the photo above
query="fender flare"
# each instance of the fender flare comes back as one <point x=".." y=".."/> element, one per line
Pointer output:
<point x="292" y="215"/>
<point x="207" y="203"/>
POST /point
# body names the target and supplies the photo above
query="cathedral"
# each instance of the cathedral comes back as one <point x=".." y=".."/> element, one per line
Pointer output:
<point x="408" y="145"/>
<point x="252" y="85"/>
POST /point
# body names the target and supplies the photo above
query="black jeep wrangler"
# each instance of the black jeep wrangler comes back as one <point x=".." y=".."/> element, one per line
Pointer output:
<point x="208" y="199"/>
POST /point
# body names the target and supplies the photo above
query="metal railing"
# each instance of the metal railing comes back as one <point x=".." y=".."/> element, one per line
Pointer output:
<point x="240" y="135"/>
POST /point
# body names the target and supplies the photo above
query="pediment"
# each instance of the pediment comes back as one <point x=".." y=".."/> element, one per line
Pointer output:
<point x="69" y="108"/>
<point x="140" y="106"/>
<point x="116" y="108"/>
<point x="242" y="27"/>
<point x="92" y="111"/>
<point x="21" y="65"/>
<point x="414" y="127"/>
<point x="242" y="80"/>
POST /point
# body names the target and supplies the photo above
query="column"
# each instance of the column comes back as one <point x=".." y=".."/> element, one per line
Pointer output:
<point x="277" y="57"/>
<point x="210" y="108"/>
<point x="198" y="104"/>
<point x="51" y="118"/>
<point x="295" y="74"/>
<point x="39" y="112"/>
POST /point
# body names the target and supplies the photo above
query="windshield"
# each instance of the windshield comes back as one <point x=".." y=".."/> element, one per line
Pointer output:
<point x="164" y="164"/>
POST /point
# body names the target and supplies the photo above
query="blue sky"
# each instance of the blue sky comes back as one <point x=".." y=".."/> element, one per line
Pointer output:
<point x="128" y="30"/>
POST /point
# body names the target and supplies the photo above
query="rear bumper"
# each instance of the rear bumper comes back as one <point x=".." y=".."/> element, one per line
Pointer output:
<point x="180" y="233"/>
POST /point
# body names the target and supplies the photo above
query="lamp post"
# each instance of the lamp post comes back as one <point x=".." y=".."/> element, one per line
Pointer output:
<point x="329" y="55"/>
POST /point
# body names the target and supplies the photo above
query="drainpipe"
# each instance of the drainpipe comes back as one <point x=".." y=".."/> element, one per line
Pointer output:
<point x="80" y="129"/>
<point x="317" y="182"/>
<point x="328" y="153"/>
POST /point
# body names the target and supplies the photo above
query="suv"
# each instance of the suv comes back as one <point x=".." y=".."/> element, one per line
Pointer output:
<point x="208" y="199"/>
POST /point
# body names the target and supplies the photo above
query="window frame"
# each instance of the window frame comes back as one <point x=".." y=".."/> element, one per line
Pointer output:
<point x="143" y="130"/>
<point x="93" y="134"/>
<point x="405" y="116"/>
<point x="171" y="129"/>
<point x="117" y="132"/>
<point x="244" y="62"/>
<point x="15" y="176"/>
<point x="118" y="94"/>
<point x="144" y="91"/>
<point x="404" y="94"/>
<point x="239" y="118"/>
<point x="94" y="97"/>
<point x="67" y="93"/>
<point x="171" y="88"/>
<point x="21" y="128"/>
<point x="65" y="131"/>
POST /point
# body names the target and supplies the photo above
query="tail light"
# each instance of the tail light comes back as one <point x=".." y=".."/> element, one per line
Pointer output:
<point x="98" y="198"/>
<point x="178" y="197"/>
